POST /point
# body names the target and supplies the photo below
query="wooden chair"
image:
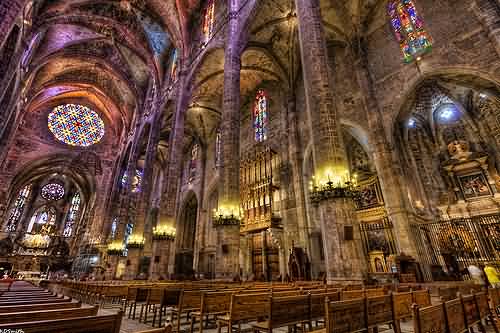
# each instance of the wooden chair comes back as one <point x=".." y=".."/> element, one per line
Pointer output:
<point x="430" y="319"/>
<point x="455" y="317"/>
<point x="285" y="311"/>
<point x="244" y="308"/>
<point x="346" y="316"/>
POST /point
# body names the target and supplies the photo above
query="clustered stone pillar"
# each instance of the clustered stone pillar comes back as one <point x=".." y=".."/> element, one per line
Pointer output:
<point x="343" y="251"/>
<point x="387" y="170"/>
<point x="168" y="205"/>
<point x="227" y="260"/>
<point x="488" y="12"/>
<point x="9" y="11"/>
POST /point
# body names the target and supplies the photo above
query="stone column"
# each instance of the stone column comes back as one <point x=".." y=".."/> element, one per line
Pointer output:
<point x="328" y="149"/>
<point x="387" y="169"/>
<point x="227" y="259"/>
<point x="161" y="250"/>
<point x="9" y="11"/>
<point x="488" y="13"/>
<point x="168" y="205"/>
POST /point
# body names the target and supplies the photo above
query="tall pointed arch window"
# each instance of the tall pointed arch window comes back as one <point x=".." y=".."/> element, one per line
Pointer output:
<point x="114" y="226"/>
<point x="409" y="29"/>
<point x="173" y="66"/>
<point x="193" y="162"/>
<point x="43" y="220"/>
<point x="260" y="116"/>
<point x="218" y="148"/>
<point x="74" y="211"/>
<point x="18" y="208"/>
<point x="209" y="20"/>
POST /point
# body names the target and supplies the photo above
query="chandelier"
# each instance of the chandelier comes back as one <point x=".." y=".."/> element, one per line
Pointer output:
<point x="164" y="232"/>
<point x="116" y="248"/>
<point x="333" y="187"/>
<point x="135" y="242"/>
<point x="227" y="216"/>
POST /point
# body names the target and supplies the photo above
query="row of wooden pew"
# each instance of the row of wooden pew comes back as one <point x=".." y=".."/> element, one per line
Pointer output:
<point x="30" y="309"/>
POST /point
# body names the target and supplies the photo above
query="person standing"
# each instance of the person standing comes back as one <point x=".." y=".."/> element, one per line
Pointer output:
<point x="492" y="276"/>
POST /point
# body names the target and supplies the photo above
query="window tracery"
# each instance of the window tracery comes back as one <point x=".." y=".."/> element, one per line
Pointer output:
<point x="52" y="192"/>
<point x="76" y="125"/>
<point x="72" y="217"/>
<point x="173" y="68"/>
<point x="409" y="29"/>
<point x="209" y="20"/>
<point x="260" y="116"/>
<point x="43" y="220"/>
<point x="193" y="163"/>
<point x="18" y="208"/>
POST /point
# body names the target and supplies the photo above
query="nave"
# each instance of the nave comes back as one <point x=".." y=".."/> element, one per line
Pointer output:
<point x="127" y="307"/>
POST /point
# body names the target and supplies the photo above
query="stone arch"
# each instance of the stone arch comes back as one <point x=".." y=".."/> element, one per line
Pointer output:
<point x="186" y="235"/>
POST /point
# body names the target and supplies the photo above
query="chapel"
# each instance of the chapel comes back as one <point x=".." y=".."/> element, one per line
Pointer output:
<point x="277" y="146"/>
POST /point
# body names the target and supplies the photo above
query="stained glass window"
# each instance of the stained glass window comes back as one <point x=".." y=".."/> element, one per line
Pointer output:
<point x="135" y="185"/>
<point x="209" y="20"/>
<point x="260" y="116"/>
<point x="52" y="192"/>
<point x="193" y="163"/>
<point x="128" y="231"/>
<point x="173" y="68"/>
<point x="409" y="29"/>
<point x="76" y="125"/>
<point x="72" y="216"/>
<point x="42" y="220"/>
<point x="18" y="208"/>
<point x="218" y="149"/>
<point x="114" y="226"/>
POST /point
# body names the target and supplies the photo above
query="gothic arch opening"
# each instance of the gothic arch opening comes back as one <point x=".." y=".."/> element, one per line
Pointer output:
<point x="186" y="235"/>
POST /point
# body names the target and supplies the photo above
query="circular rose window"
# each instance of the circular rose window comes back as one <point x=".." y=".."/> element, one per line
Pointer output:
<point x="76" y="125"/>
<point x="52" y="192"/>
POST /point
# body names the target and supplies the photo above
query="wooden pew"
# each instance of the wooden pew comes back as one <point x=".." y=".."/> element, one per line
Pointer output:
<point x="455" y="318"/>
<point x="379" y="311"/>
<point x="189" y="301"/>
<point x="212" y="304"/>
<point x="38" y="307"/>
<point x="346" y="316"/>
<point x="402" y="303"/>
<point x="244" y="308"/>
<point x="430" y="319"/>
<point x="93" y="324"/>
<point x="285" y="311"/>
<point x="484" y="310"/>
<point x="40" y="315"/>
<point x="471" y="311"/>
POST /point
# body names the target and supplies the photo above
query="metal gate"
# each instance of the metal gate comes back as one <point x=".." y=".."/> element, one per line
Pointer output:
<point x="448" y="247"/>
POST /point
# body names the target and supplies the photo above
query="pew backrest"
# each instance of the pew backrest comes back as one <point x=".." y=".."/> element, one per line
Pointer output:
<point x="40" y="315"/>
<point x="379" y="310"/>
<point x="430" y="319"/>
<point x="345" y="316"/>
<point x="248" y="306"/>
<point x="402" y="304"/>
<point x="289" y="310"/>
<point x="455" y="319"/>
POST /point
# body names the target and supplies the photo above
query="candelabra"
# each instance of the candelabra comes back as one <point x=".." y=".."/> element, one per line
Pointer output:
<point x="344" y="187"/>
<point x="227" y="216"/>
<point x="135" y="242"/>
<point x="115" y="249"/>
<point x="164" y="232"/>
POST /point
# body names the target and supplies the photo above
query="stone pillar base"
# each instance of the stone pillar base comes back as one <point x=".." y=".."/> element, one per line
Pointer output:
<point x="132" y="268"/>
<point x="111" y="264"/>
<point x="160" y="260"/>
<point x="344" y="259"/>
<point x="228" y="252"/>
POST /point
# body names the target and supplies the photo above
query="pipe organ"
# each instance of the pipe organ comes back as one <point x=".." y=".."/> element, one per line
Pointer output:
<point x="259" y="190"/>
